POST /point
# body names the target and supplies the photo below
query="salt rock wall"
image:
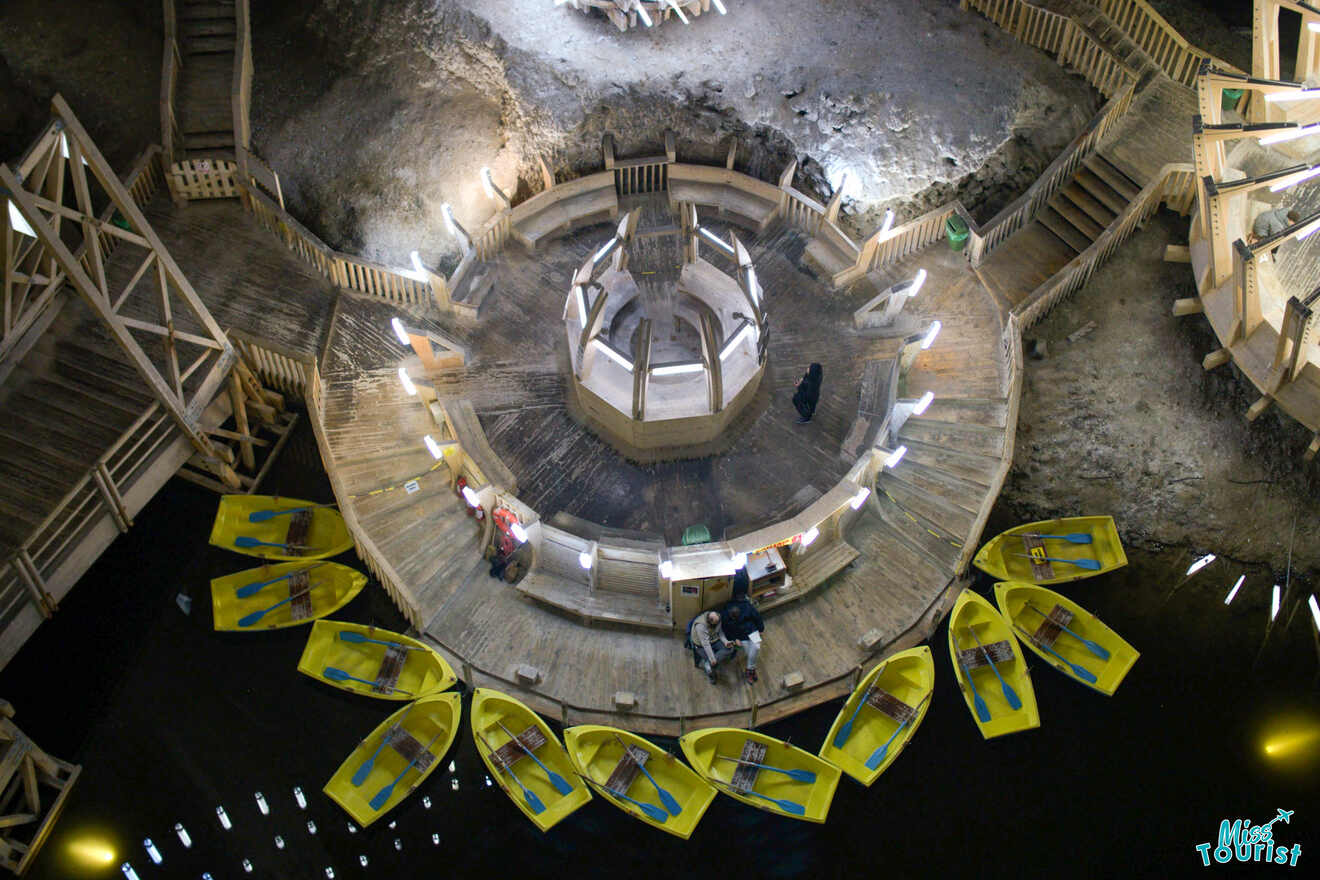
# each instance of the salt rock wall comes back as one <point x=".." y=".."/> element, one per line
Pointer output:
<point x="376" y="112"/>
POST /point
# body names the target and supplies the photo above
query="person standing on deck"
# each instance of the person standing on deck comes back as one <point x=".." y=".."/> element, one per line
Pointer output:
<point x="708" y="643"/>
<point x="742" y="626"/>
<point x="807" y="394"/>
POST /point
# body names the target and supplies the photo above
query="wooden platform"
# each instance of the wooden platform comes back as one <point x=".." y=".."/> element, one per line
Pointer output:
<point x="892" y="575"/>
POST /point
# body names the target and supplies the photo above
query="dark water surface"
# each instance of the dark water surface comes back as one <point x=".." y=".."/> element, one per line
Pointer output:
<point x="170" y="719"/>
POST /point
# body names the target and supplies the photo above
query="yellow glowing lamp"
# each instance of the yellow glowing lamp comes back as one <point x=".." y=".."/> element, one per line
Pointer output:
<point x="92" y="852"/>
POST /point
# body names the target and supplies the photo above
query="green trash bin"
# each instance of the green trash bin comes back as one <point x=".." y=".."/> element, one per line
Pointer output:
<point x="697" y="534"/>
<point x="955" y="228"/>
<point x="1230" y="99"/>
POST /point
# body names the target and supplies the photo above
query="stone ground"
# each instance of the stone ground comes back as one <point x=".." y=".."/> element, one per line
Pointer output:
<point x="1125" y="421"/>
<point x="917" y="99"/>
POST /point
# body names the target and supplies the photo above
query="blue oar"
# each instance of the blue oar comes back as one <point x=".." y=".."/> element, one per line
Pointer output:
<point x="249" y="589"/>
<point x="359" y="638"/>
<point x="362" y="772"/>
<point x="878" y="756"/>
<point x="671" y="804"/>
<point x="384" y="794"/>
<point x="533" y="802"/>
<point x="1014" y="702"/>
<point x="250" y="619"/>
<point x="560" y="783"/>
<point x="1097" y="650"/>
<point x="651" y="810"/>
<point x="786" y="805"/>
<point x="846" y="730"/>
<point x="248" y="543"/>
<point x="1088" y="564"/>
<point x="1071" y="537"/>
<point x="263" y="515"/>
<point x="1081" y="672"/>
<point x="797" y="775"/>
<point x="335" y="674"/>
<point x="982" y="710"/>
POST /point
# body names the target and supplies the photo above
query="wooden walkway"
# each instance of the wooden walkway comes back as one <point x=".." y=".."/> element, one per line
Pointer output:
<point x="909" y="541"/>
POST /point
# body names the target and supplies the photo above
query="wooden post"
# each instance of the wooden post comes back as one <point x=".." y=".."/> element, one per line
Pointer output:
<point x="238" y="400"/>
<point x="1216" y="358"/>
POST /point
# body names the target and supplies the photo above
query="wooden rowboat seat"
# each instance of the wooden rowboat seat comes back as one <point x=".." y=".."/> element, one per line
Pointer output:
<point x="624" y="772"/>
<point x="300" y="527"/>
<point x="744" y="778"/>
<point x="509" y="754"/>
<point x="888" y="704"/>
<point x="1000" y="652"/>
<point x="410" y="748"/>
<point x="1052" y="626"/>
<point x="391" y="666"/>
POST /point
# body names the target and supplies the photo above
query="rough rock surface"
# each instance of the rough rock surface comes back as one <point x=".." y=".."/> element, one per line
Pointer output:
<point x="1125" y="421"/>
<point x="917" y="100"/>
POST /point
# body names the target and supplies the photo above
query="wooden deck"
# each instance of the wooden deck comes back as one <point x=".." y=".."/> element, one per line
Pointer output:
<point x="908" y="542"/>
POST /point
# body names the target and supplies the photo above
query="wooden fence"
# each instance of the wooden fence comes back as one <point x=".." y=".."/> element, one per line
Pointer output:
<point x="400" y="286"/>
<point x="1144" y="26"/>
<point x="1174" y="185"/>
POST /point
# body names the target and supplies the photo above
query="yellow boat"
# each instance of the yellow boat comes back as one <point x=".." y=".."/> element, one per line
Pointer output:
<point x="709" y="752"/>
<point x="287" y="594"/>
<point x="396" y="757"/>
<point x="306" y="531"/>
<point x="1005" y="556"/>
<point x="1106" y="659"/>
<point x="598" y="754"/>
<point x="866" y="738"/>
<point x="544" y="779"/>
<point x="373" y="662"/>
<point x="989" y="699"/>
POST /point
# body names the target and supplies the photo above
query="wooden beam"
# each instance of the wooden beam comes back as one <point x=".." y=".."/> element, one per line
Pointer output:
<point x="1190" y="305"/>
<point x="1256" y="409"/>
<point x="1216" y="358"/>
<point x="237" y="399"/>
<point x="1177" y="253"/>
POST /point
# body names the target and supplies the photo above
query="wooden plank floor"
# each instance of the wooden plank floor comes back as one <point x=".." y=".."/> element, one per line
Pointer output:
<point x="515" y="379"/>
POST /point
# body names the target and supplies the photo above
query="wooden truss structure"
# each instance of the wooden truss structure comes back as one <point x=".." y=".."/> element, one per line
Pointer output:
<point x="54" y="236"/>
<point x="26" y="817"/>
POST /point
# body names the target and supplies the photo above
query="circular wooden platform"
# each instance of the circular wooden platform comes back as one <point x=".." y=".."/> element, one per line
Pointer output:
<point x="911" y="541"/>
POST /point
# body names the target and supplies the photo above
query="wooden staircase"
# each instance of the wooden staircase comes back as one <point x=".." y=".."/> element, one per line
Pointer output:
<point x="207" y="32"/>
<point x="1086" y="205"/>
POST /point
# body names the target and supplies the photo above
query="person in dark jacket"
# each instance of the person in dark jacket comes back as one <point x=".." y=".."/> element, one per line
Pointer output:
<point x="742" y="626"/>
<point x="807" y="394"/>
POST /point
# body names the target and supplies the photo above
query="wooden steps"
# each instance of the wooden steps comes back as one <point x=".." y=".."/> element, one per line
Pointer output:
<point x="207" y="34"/>
<point x="1085" y="206"/>
<point x="947" y="518"/>
<point x="956" y="435"/>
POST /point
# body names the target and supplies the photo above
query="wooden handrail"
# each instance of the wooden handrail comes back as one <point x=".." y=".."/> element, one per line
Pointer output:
<point x="1167" y="48"/>
<point x="1174" y="184"/>
<point x="170" y="132"/>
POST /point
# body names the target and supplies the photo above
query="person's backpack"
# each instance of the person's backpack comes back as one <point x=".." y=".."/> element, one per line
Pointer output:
<point x="687" y="643"/>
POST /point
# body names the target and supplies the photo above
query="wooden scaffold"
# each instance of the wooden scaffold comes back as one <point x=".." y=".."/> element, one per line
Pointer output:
<point x="26" y="815"/>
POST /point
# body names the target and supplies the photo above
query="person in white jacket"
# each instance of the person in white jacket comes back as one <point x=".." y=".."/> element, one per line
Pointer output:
<point x="708" y="642"/>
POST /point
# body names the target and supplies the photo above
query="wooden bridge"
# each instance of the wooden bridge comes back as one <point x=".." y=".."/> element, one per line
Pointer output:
<point x="592" y="628"/>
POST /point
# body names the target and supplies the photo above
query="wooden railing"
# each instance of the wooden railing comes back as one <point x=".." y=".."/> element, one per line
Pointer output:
<point x="401" y="286"/>
<point x="801" y="210"/>
<point x="1174" y="185"/>
<point x="1021" y="210"/>
<point x="365" y="548"/>
<point x="240" y="95"/>
<point x="258" y="172"/>
<point x="283" y="369"/>
<point x="1144" y="26"/>
<point x="171" y="134"/>
<point x="639" y="176"/>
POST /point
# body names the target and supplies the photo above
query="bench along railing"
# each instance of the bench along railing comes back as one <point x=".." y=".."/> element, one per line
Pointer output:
<point x="1018" y="213"/>
<point x="1174" y="185"/>
<point x="1158" y="39"/>
<point x="403" y="286"/>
